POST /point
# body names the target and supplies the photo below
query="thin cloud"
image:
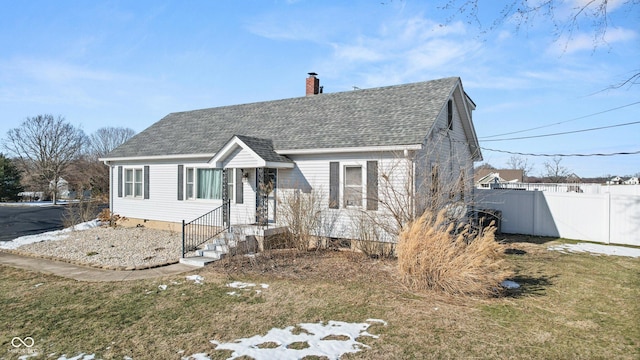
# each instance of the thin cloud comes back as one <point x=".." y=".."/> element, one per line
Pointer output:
<point x="51" y="71"/>
<point x="589" y="42"/>
<point x="409" y="49"/>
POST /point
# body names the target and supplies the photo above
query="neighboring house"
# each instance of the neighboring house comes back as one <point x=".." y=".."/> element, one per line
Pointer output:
<point x="632" y="181"/>
<point x="350" y="147"/>
<point x="616" y="180"/>
<point x="63" y="190"/>
<point x="484" y="178"/>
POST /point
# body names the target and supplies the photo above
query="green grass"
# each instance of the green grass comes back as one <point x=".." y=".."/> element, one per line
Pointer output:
<point x="569" y="306"/>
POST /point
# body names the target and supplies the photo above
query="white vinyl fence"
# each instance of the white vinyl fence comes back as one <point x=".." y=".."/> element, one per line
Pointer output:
<point x="610" y="218"/>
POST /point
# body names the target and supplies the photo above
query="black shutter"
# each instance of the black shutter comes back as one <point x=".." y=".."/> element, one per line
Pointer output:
<point x="334" y="185"/>
<point x="146" y="182"/>
<point x="372" y="185"/>
<point x="119" y="181"/>
<point x="180" y="182"/>
<point x="239" y="187"/>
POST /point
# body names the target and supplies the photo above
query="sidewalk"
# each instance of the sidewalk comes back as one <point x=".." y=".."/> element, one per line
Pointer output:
<point x="84" y="273"/>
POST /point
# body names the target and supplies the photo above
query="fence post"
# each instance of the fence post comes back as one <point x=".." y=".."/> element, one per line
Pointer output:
<point x="609" y="218"/>
<point x="183" y="238"/>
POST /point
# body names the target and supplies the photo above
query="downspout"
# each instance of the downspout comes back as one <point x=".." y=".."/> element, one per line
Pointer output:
<point x="106" y="162"/>
<point x="412" y="185"/>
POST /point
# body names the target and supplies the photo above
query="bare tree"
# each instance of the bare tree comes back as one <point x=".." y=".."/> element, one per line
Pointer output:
<point x="102" y="142"/>
<point x="517" y="162"/>
<point x="45" y="146"/>
<point x="554" y="171"/>
<point x="106" y="139"/>
<point x="566" y="20"/>
<point x="485" y="166"/>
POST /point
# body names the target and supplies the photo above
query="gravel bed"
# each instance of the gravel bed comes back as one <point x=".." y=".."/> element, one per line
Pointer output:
<point x="112" y="248"/>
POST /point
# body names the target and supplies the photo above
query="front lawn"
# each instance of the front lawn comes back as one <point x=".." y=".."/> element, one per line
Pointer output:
<point x="569" y="306"/>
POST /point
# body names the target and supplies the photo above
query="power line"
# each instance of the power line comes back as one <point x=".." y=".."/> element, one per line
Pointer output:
<point x="565" y="132"/>
<point x="563" y="155"/>
<point x="561" y="122"/>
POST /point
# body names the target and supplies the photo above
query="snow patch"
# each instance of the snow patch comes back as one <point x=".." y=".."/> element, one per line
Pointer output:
<point x="48" y="236"/>
<point x="240" y="285"/>
<point x="508" y="284"/>
<point x="195" y="278"/>
<point x="78" y="357"/>
<point x="596" y="249"/>
<point x="331" y="340"/>
<point x="244" y="286"/>
<point x="198" y="356"/>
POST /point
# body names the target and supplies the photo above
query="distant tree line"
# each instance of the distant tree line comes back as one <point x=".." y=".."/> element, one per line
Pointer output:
<point x="553" y="171"/>
<point x="45" y="149"/>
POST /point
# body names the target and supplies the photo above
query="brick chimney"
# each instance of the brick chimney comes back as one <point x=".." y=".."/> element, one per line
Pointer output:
<point x="313" y="85"/>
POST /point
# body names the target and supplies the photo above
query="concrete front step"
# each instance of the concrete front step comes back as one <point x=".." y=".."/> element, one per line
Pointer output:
<point x="214" y="254"/>
<point x="199" y="261"/>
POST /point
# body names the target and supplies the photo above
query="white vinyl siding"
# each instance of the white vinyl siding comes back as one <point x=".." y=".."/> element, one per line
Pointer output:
<point x="241" y="159"/>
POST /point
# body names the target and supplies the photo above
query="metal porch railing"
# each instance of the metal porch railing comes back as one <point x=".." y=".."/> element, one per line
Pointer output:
<point x="198" y="231"/>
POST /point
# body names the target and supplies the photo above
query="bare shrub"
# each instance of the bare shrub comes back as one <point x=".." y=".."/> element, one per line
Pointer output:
<point x="79" y="212"/>
<point x="301" y="212"/>
<point x="110" y="219"/>
<point x="372" y="239"/>
<point x="437" y="254"/>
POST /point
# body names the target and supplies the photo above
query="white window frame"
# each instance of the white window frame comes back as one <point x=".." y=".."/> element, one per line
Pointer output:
<point x="133" y="188"/>
<point x="359" y="187"/>
<point x="190" y="185"/>
<point x="231" y="182"/>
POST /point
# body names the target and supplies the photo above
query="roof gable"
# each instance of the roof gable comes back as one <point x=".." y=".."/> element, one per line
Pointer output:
<point x="260" y="150"/>
<point x="386" y="116"/>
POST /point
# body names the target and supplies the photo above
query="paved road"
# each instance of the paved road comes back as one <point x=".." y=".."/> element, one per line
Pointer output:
<point x="16" y="221"/>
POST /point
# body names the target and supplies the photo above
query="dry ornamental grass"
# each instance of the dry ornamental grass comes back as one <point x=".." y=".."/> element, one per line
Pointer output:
<point x="435" y="254"/>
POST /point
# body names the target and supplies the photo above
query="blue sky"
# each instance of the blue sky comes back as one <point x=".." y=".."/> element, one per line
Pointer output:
<point x="130" y="63"/>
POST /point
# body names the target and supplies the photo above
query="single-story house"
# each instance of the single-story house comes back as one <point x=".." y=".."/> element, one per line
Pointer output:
<point x="358" y="149"/>
<point x="616" y="180"/>
<point x="484" y="178"/>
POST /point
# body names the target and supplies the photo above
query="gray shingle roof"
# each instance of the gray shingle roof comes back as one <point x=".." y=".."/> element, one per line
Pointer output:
<point x="385" y="116"/>
<point x="264" y="148"/>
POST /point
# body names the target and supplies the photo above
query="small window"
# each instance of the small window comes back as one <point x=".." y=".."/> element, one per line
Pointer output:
<point x="138" y="182"/>
<point x="133" y="182"/>
<point x="128" y="182"/>
<point x="450" y="114"/>
<point x="190" y="183"/>
<point x="230" y="182"/>
<point x="353" y="186"/>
